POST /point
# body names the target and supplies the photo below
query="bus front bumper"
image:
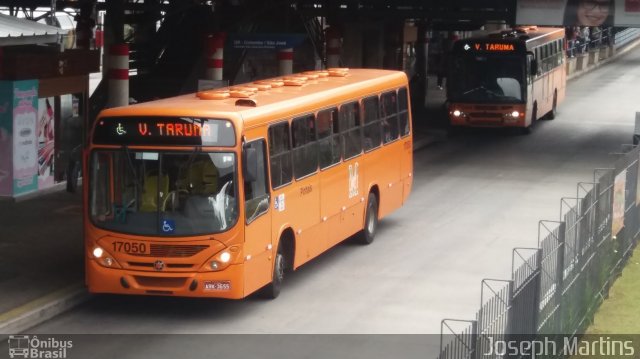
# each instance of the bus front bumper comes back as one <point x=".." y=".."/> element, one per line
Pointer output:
<point x="223" y="284"/>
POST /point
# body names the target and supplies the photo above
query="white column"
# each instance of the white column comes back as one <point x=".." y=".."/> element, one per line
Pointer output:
<point x="285" y="60"/>
<point x="118" y="75"/>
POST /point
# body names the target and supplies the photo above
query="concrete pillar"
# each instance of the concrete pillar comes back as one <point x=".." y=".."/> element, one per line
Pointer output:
<point x="118" y="75"/>
<point x="285" y="61"/>
<point x="334" y="47"/>
<point x="215" y="56"/>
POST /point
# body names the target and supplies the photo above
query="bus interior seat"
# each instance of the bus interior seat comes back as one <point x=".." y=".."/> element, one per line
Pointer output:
<point x="150" y="192"/>
<point x="209" y="178"/>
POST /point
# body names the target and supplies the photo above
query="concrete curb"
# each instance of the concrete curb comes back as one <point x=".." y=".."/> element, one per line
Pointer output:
<point x="37" y="311"/>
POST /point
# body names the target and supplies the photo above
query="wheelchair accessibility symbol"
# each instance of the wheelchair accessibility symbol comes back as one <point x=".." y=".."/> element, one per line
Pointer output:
<point x="168" y="226"/>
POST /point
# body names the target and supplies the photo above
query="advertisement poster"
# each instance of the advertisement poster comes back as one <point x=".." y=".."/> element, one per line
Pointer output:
<point x="578" y="12"/>
<point x="46" y="144"/>
<point x="25" y="145"/>
<point x="619" y="188"/>
<point x="6" y="142"/>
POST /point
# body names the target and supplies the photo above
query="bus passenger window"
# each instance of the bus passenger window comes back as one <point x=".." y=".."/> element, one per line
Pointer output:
<point x="372" y="131"/>
<point x="256" y="191"/>
<point x="280" y="154"/>
<point x="403" y="112"/>
<point x="350" y="130"/>
<point x="305" y="147"/>
<point x="328" y="137"/>
<point x="389" y="116"/>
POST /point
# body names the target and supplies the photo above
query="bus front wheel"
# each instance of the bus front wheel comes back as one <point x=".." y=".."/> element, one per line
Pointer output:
<point x="368" y="233"/>
<point x="272" y="290"/>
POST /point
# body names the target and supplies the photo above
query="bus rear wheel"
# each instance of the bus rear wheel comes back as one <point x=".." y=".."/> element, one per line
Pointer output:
<point x="552" y="114"/>
<point x="368" y="233"/>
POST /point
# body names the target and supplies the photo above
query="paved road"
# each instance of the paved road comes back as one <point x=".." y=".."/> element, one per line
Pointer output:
<point x="476" y="196"/>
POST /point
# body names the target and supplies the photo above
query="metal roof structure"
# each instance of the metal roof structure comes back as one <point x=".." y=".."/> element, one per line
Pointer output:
<point x="15" y="31"/>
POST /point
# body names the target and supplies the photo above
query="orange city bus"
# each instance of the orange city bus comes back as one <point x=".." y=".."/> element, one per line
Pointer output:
<point x="511" y="78"/>
<point x="219" y="193"/>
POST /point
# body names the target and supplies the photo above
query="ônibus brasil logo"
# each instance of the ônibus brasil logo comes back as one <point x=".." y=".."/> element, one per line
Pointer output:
<point x="25" y="346"/>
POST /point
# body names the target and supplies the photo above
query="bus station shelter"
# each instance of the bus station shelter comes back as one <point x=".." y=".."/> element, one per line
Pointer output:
<point x="44" y="92"/>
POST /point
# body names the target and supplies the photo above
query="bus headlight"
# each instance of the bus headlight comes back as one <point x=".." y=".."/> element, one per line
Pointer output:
<point x="103" y="258"/>
<point x="457" y="113"/>
<point x="98" y="252"/>
<point x="222" y="259"/>
<point x="515" y="114"/>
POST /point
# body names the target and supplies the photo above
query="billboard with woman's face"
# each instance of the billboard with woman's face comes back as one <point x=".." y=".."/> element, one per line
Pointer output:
<point x="579" y="12"/>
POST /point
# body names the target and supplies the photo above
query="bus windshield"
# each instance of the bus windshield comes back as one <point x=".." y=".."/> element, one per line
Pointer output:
<point x="487" y="79"/>
<point x="163" y="193"/>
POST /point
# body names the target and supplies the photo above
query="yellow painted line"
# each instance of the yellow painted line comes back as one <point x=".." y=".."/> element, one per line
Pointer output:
<point x="41" y="302"/>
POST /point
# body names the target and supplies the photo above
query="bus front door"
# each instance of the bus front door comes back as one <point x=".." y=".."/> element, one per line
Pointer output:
<point x="257" y="214"/>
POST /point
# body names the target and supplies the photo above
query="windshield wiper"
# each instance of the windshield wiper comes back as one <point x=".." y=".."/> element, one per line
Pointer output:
<point x="486" y="90"/>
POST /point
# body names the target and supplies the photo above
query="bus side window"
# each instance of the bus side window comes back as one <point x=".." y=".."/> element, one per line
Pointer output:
<point x="350" y="130"/>
<point x="389" y="116"/>
<point x="256" y="191"/>
<point x="328" y="137"/>
<point x="305" y="146"/>
<point x="372" y="130"/>
<point x="280" y="154"/>
<point x="403" y="112"/>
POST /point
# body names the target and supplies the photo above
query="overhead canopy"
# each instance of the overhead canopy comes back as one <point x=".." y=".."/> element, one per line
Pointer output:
<point x="15" y="31"/>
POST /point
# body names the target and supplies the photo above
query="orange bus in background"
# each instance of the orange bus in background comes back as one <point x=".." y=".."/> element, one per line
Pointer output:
<point x="220" y="193"/>
<point x="507" y="79"/>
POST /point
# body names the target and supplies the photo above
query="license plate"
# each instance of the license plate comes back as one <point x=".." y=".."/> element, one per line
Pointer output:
<point x="131" y="247"/>
<point x="217" y="285"/>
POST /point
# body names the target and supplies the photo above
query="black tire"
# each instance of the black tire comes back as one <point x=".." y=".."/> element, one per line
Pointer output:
<point x="272" y="290"/>
<point x="368" y="233"/>
<point x="73" y="172"/>
<point x="552" y="114"/>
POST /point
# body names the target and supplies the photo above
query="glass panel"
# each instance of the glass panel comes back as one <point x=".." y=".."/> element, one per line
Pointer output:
<point x="487" y="79"/>
<point x="256" y="192"/>
<point x="388" y="113"/>
<point x="372" y="130"/>
<point x="305" y="147"/>
<point x="328" y="137"/>
<point x="155" y="193"/>
<point x="280" y="154"/>
<point x="403" y="112"/>
<point x="350" y="129"/>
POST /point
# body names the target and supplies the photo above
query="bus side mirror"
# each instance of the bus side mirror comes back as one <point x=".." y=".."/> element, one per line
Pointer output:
<point x="534" y="67"/>
<point x="250" y="164"/>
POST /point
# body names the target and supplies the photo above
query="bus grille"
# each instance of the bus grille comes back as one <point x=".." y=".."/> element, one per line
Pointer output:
<point x="172" y="251"/>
